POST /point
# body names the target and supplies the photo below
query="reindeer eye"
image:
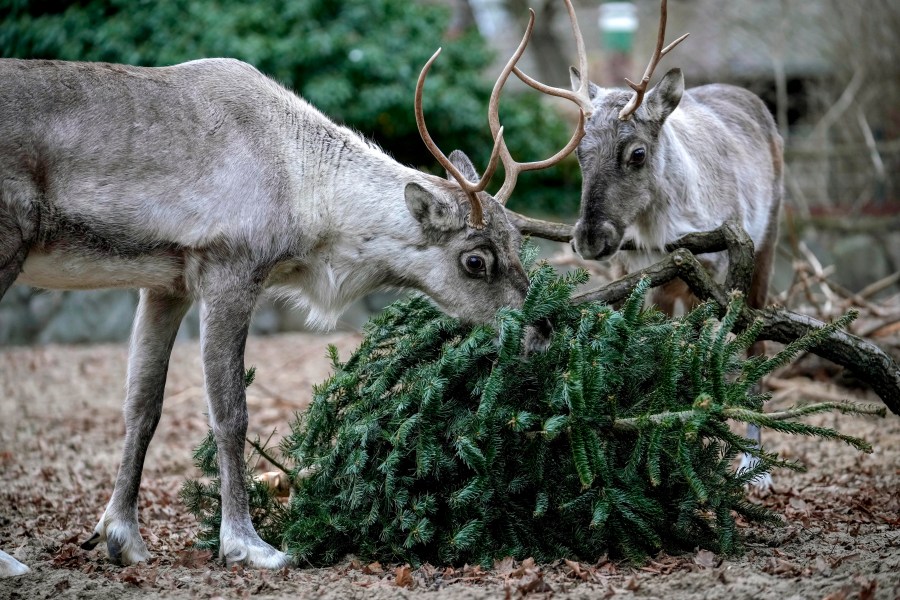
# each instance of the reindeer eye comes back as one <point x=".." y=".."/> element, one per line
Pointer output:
<point x="637" y="157"/>
<point x="475" y="264"/>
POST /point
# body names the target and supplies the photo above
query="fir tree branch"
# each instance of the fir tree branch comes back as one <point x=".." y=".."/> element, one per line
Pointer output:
<point x="784" y="421"/>
<point x="262" y="452"/>
<point x="858" y="355"/>
<point x="749" y="416"/>
<point x="848" y="408"/>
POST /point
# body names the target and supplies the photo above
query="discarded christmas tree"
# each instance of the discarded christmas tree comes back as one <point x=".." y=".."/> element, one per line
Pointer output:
<point x="442" y="443"/>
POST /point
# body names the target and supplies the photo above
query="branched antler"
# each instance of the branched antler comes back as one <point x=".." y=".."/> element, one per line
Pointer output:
<point x="641" y="88"/>
<point x="471" y="188"/>
<point x="512" y="168"/>
<point x="581" y="97"/>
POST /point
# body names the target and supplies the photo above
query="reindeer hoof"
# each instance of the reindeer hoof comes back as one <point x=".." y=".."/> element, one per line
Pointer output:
<point x="10" y="567"/>
<point x="760" y="483"/>
<point x="91" y="542"/>
<point x="123" y="541"/>
<point x="253" y="553"/>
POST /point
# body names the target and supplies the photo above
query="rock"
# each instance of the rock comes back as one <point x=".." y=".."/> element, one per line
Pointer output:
<point x="859" y="260"/>
<point x="91" y="316"/>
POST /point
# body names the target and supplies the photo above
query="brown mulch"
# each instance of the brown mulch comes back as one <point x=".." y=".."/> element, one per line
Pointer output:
<point x="61" y="435"/>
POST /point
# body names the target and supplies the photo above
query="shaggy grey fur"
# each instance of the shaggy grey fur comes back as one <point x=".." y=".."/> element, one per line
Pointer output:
<point x="209" y="182"/>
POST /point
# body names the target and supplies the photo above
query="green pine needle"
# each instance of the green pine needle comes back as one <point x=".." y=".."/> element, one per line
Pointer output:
<point x="442" y="443"/>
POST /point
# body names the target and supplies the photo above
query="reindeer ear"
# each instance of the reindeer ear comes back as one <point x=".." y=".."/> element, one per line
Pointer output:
<point x="575" y="78"/>
<point x="665" y="95"/>
<point x="465" y="166"/>
<point x="435" y="213"/>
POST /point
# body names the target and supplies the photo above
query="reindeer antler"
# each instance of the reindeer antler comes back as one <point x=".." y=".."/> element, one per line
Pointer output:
<point x="581" y="97"/>
<point x="641" y="88"/>
<point x="476" y="218"/>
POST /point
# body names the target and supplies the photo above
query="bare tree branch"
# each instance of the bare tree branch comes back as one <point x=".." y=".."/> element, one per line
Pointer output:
<point x="869" y="362"/>
<point x="555" y="232"/>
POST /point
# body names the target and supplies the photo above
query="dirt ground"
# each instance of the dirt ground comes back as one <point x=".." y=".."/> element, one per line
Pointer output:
<point x="61" y="434"/>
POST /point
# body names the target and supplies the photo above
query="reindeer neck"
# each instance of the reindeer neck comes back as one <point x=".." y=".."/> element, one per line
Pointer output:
<point x="681" y="201"/>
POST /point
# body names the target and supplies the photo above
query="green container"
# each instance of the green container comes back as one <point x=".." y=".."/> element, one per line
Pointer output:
<point x="618" y="41"/>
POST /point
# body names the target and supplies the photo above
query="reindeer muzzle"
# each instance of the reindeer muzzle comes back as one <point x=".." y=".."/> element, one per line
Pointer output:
<point x="596" y="241"/>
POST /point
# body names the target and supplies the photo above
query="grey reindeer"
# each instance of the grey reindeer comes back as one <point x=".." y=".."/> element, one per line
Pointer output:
<point x="209" y="182"/>
<point x="660" y="164"/>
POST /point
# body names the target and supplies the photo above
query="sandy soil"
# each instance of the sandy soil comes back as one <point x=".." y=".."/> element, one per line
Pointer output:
<point x="61" y="435"/>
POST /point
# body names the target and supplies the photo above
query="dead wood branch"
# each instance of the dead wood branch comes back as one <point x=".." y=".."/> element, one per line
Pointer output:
<point x="556" y="232"/>
<point x="863" y="358"/>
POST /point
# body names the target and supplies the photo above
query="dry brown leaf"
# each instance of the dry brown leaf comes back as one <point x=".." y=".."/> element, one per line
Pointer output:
<point x="779" y="566"/>
<point x="517" y="573"/>
<point x="505" y="565"/>
<point x="276" y="481"/>
<point x="840" y="559"/>
<point x="577" y="570"/>
<point x="403" y="577"/>
<point x="867" y="591"/>
<point x="534" y="583"/>
<point x="608" y="568"/>
<point x="374" y="568"/>
<point x="632" y="584"/>
<point x="427" y="570"/>
<point x="192" y="559"/>
<point x="706" y="559"/>
<point x="798" y="504"/>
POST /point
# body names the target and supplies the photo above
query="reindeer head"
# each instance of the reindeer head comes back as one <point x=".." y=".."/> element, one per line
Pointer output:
<point x="484" y="245"/>
<point x="471" y="271"/>
<point x="620" y="164"/>
<point x="619" y="156"/>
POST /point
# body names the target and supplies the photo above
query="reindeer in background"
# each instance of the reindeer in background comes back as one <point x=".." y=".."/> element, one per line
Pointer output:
<point x="660" y="164"/>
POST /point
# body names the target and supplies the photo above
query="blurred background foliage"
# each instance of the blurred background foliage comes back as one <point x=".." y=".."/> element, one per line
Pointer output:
<point x="829" y="70"/>
<point x="356" y="60"/>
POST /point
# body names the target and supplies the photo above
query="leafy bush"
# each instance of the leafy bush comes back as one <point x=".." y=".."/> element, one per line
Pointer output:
<point x="356" y="60"/>
<point x="436" y="442"/>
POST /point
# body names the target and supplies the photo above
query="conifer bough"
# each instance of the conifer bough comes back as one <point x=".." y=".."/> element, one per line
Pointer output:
<point x="435" y="442"/>
<point x="861" y="357"/>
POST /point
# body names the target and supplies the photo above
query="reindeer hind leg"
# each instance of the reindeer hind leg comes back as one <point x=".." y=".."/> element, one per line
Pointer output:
<point x="153" y="335"/>
<point x="756" y="298"/>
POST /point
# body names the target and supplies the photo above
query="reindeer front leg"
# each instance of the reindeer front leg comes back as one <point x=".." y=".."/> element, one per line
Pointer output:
<point x="155" y="325"/>
<point x="228" y="300"/>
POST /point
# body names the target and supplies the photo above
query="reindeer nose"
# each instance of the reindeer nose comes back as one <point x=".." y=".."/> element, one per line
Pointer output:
<point x="596" y="241"/>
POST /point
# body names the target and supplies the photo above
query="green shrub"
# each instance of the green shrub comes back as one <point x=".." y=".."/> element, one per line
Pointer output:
<point x="356" y="60"/>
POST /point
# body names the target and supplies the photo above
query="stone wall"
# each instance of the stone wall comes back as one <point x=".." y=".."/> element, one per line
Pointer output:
<point x="29" y="316"/>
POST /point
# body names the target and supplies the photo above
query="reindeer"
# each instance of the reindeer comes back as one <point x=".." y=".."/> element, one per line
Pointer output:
<point x="208" y="182"/>
<point x="660" y="164"/>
